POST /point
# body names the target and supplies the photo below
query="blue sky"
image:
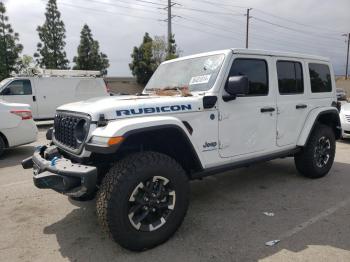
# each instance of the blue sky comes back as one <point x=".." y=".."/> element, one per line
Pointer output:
<point x="305" y="26"/>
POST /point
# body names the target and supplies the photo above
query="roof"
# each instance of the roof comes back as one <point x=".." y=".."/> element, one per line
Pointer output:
<point x="251" y="52"/>
<point x="274" y="53"/>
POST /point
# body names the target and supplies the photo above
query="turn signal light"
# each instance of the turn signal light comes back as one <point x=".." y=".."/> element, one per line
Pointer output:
<point x="115" y="140"/>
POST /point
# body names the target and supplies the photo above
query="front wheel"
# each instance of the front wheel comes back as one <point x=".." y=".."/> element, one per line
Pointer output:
<point x="143" y="199"/>
<point x="316" y="158"/>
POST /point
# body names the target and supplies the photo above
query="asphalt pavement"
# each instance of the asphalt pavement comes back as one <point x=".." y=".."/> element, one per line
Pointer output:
<point x="230" y="218"/>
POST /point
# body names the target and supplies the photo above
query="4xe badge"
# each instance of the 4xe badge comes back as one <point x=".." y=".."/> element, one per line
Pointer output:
<point x="209" y="146"/>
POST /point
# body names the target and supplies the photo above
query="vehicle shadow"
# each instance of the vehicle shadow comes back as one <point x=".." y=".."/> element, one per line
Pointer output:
<point x="14" y="156"/>
<point x="225" y="220"/>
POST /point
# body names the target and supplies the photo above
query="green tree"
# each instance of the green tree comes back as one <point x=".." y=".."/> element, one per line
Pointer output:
<point x="172" y="51"/>
<point x="9" y="46"/>
<point x="50" y="51"/>
<point x="160" y="49"/>
<point x="149" y="55"/>
<point x="89" y="56"/>
<point x="26" y="63"/>
<point x="143" y="64"/>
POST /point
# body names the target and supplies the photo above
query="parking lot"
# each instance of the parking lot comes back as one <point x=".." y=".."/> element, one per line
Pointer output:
<point x="225" y="221"/>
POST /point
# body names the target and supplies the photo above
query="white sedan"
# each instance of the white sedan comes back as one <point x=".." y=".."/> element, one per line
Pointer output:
<point x="16" y="125"/>
<point x="345" y="120"/>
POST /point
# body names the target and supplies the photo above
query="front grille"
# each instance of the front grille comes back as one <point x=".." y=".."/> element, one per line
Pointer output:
<point x="65" y="125"/>
<point x="347" y="117"/>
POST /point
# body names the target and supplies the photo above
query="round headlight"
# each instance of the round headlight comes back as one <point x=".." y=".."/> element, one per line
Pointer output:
<point x="81" y="130"/>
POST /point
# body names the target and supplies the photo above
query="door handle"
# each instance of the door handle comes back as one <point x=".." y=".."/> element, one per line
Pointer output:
<point x="267" y="109"/>
<point x="34" y="98"/>
<point x="301" y="106"/>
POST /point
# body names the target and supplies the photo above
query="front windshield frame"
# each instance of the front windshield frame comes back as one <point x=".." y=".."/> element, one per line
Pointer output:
<point x="201" y="73"/>
<point x="4" y="82"/>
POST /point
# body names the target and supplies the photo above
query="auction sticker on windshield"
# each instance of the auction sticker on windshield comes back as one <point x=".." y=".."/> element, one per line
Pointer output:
<point x="203" y="79"/>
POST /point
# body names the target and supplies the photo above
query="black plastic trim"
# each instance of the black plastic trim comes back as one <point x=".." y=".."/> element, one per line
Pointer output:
<point x="64" y="176"/>
<point x="332" y="111"/>
<point x="209" y="101"/>
<point x="114" y="149"/>
<point x="64" y="147"/>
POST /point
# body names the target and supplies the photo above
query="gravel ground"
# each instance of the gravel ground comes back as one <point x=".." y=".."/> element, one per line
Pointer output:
<point x="225" y="221"/>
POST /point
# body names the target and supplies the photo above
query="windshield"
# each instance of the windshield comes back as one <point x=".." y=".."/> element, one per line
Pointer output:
<point x="196" y="74"/>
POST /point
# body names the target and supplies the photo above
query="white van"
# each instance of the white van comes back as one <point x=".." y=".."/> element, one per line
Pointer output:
<point x="52" y="88"/>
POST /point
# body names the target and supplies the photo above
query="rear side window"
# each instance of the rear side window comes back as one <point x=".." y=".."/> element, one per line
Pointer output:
<point x="256" y="71"/>
<point x="320" y="78"/>
<point x="290" y="77"/>
<point x="18" y="87"/>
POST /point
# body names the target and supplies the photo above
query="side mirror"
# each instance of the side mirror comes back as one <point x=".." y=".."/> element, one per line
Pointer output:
<point x="236" y="86"/>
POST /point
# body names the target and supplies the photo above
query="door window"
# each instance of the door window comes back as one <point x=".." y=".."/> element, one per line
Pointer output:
<point x="18" y="87"/>
<point x="290" y="77"/>
<point x="320" y="78"/>
<point x="256" y="72"/>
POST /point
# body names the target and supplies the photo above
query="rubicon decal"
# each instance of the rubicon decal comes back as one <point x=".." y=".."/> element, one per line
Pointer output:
<point x="153" y="110"/>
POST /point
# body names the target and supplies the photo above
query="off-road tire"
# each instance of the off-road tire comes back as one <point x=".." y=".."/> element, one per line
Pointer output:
<point x="306" y="162"/>
<point x="2" y="146"/>
<point x="117" y="186"/>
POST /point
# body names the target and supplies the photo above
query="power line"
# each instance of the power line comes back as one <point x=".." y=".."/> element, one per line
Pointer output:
<point x="222" y="5"/>
<point x="126" y="7"/>
<point x="296" y="22"/>
<point x="203" y="22"/>
<point x="108" y="11"/>
<point x="290" y="28"/>
<point x="203" y="31"/>
<point x="208" y="11"/>
<point x="150" y="2"/>
<point x="215" y="26"/>
<point x="283" y="40"/>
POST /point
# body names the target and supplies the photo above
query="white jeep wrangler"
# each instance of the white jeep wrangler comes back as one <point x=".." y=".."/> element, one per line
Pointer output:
<point x="197" y="116"/>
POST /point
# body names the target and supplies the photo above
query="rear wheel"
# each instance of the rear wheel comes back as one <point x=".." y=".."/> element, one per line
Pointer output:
<point x="316" y="158"/>
<point x="143" y="199"/>
<point x="2" y="146"/>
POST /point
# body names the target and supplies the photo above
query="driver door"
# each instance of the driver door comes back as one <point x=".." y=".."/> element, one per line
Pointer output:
<point x="20" y="91"/>
<point x="248" y="124"/>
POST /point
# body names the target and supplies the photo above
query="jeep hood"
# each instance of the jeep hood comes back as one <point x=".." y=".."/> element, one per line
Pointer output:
<point x="115" y="107"/>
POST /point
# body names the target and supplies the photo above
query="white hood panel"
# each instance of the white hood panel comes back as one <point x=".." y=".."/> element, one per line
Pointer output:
<point x="116" y="107"/>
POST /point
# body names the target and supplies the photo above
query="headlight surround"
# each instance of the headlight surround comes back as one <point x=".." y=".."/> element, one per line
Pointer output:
<point x="81" y="130"/>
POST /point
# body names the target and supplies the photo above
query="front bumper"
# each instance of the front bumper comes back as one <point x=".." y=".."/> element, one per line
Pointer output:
<point x="52" y="170"/>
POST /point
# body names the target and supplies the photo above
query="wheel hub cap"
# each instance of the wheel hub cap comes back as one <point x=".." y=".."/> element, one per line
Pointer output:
<point x="151" y="203"/>
<point x="322" y="152"/>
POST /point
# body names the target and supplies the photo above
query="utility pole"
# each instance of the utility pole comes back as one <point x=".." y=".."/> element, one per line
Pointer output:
<point x="247" y="29"/>
<point x="170" y="35"/>
<point x="170" y="17"/>
<point x="347" y="56"/>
